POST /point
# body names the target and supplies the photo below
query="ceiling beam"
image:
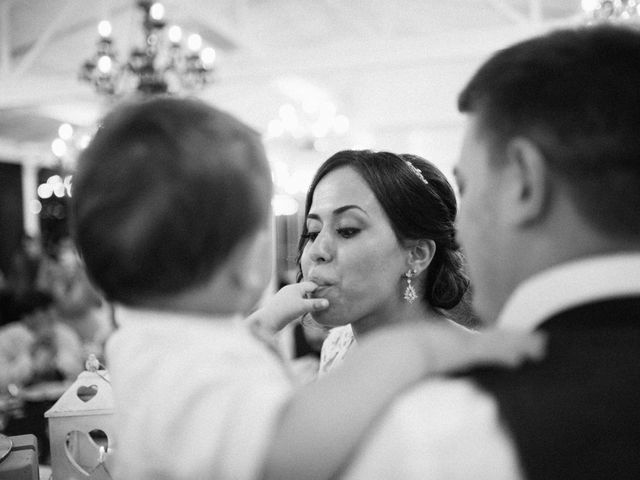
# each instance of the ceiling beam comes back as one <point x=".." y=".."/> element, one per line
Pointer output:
<point x="381" y="53"/>
<point x="5" y="39"/>
<point x="357" y="56"/>
<point x="348" y="17"/>
<point x="30" y="91"/>
<point x="535" y="11"/>
<point x="24" y="152"/>
<point x="508" y="11"/>
<point x="225" y="30"/>
<point x="73" y="26"/>
<point x="36" y="49"/>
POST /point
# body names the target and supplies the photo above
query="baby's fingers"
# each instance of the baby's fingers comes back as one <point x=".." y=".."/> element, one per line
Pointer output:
<point x="306" y="286"/>
<point x="308" y="304"/>
<point x="511" y="348"/>
<point x="315" y="304"/>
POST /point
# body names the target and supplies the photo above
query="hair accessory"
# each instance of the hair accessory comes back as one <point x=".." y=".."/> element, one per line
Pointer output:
<point x="417" y="171"/>
<point x="410" y="294"/>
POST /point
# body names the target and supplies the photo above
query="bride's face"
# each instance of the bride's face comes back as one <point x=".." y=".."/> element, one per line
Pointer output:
<point x="352" y="252"/>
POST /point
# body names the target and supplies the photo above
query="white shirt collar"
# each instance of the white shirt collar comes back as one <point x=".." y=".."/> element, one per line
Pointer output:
<point x="136" y="317"/>
<point x="570" y="284"/>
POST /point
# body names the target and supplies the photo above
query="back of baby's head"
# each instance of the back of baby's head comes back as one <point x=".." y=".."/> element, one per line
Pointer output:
<point x="163" y="193"/>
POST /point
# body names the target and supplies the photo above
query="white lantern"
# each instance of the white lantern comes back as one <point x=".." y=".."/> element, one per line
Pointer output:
<point x="81" y="427"/>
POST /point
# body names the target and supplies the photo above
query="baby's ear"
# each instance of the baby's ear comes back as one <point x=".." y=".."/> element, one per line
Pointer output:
<point x="251" y="266"/>
<point x="421" y="253"/>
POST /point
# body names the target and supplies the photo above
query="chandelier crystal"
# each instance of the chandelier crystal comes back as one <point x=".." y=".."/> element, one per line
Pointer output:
<point x="162" y="65"/>
<point x="616" y="11"/>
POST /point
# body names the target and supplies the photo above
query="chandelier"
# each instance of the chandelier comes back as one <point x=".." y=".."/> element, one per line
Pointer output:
<point x="161" y="65"/>
<point x="617" y="11"/>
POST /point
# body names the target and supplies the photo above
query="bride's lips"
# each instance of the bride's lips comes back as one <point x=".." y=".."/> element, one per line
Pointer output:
<point x="320" y="291"/>
<point x="323" y="286"/>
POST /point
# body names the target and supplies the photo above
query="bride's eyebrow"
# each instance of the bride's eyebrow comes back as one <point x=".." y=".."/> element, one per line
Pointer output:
<point x="338" y="211"/>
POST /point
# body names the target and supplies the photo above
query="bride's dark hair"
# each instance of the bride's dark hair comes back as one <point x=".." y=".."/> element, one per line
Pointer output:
<point x="418" y="207"/>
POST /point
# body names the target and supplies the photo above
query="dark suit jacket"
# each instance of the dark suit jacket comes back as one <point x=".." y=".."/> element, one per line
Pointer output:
<point x="576" y="414"/>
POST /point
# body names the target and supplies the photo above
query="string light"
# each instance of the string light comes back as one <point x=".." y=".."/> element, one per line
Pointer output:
<point x="616" y="11"/>
<point x="308" y="124"/>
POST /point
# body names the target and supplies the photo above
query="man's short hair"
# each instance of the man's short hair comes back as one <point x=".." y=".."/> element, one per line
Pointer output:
<point x="163" y="193"/>
<point x="576" y="94"/>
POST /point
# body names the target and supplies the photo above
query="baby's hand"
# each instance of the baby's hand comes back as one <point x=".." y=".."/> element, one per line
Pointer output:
<point x="446" y="349"/>
<point x="287" y="304"/>
<point x="508" y="348"/>
<point x="454" y="349"/>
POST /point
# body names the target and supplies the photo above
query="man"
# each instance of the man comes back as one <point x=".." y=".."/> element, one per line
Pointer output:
<point x="549" y="178"/>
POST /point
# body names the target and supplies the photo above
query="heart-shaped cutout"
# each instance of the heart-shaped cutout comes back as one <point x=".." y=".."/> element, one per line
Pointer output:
<point x="87" y="392"/>
<point x="86" y="450"/>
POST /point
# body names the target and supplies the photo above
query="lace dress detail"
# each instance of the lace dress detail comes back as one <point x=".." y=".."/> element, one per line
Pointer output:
<point x="335" y="347"/>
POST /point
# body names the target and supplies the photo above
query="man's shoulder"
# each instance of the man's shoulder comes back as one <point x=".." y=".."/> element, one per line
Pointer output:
<point x="448" y="402"/>
<point x="441" y="428"/>
<point x="444" y="407"/>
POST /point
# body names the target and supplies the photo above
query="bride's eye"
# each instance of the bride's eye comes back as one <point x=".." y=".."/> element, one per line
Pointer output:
<point x="348" y="232"/>
<point x="310" y="236"/>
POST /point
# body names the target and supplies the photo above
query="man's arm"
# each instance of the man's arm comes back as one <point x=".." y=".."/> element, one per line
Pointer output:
<point x="321" y="426"/>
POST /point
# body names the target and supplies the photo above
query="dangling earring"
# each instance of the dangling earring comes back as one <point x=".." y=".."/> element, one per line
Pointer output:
<point x="410" y="294"/>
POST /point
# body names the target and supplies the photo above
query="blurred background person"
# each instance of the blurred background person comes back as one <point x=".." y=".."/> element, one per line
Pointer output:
<point x="39" y="357"/>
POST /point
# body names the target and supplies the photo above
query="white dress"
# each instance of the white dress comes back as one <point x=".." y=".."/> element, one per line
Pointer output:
<point x="335" y="348"/>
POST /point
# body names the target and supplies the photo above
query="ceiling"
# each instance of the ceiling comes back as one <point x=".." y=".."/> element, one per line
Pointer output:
<point x="393" y="67"/>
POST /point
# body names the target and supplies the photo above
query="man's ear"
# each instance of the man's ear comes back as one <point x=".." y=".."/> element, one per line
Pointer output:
<point x="529" y="187"/>
<point x="420" y="254"/>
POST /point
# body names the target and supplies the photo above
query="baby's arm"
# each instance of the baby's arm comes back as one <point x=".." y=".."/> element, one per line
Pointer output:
<point x="323" y="423"/>
<point x="287" y="304"/>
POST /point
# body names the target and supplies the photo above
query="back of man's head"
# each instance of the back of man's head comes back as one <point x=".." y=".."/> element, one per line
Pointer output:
<point x="576" y="95"/>
<point x="164" y="192"/>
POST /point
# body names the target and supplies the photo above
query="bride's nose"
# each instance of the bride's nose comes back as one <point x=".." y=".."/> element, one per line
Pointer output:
<point x="321" y="249"/>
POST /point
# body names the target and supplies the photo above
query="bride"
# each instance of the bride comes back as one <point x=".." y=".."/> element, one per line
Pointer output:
<point x="379" y="243"/>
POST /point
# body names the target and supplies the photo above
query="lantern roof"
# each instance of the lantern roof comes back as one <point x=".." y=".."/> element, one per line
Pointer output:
<point x="90" y="394"/>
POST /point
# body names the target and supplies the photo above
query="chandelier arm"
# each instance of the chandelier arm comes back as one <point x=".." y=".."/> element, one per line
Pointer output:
<point x="161" y="65"/>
